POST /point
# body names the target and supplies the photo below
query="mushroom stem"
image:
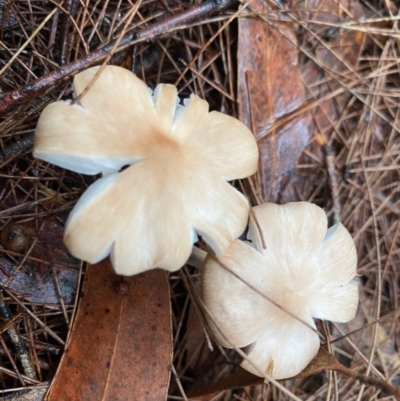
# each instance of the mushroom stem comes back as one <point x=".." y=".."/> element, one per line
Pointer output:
<point x="197" y="257"/>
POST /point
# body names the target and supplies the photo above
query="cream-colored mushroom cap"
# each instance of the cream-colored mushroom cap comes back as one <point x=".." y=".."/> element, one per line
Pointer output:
<point x="293" y="270"/>
<point x="165" y="169"/>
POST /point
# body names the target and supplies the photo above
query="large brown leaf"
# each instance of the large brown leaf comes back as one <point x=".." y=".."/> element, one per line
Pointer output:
<point x="270" y="87"/>
<point x="120" y="348"/>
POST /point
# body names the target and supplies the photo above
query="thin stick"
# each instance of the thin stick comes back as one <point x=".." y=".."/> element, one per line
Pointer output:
<point x="34" y="89"/>
<point x="20" y="349"/>
<point x="378" y="290"/>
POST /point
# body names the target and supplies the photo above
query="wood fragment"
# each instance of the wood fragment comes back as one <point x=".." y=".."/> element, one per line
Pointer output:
<point x="20" y="349"/>
<point x="17" y="148"/>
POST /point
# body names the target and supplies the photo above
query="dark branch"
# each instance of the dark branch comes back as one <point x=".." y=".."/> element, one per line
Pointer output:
<point x="38" y="87"/>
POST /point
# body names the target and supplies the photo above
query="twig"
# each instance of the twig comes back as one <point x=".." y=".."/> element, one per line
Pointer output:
<point x="371" y="381"/>
<point x="71" y="8"/>
<point x="30" y="313"/>
<point x="178" y="382"/>
<point x="38" y="87"/>
<point x="17" y="148"/>
<point x="13" y="374"/>
<point x="11" y="359"/>
<point x="185" y="274"/>
<point x="4" y="327"/>
<point x="378" y="290"/>
<point x="20" y="349"/>
<point x="333" y="181"/>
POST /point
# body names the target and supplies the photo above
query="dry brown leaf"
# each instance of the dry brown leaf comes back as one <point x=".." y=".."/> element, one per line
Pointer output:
<point x="323" y="361"/>
<point x="269" y="87"/>
<point x="120" y="348"/>
<point x="340" y="57"/>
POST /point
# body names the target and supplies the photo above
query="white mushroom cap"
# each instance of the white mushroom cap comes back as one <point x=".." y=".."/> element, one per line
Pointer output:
<point x="305" y="269"/>
<point x="179" y="158"/>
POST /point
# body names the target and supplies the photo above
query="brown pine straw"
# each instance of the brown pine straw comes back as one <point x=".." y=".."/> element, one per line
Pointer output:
<point x="350" y="167"/>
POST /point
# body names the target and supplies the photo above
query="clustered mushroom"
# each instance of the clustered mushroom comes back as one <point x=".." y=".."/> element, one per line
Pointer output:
<point x="164" y="169"/>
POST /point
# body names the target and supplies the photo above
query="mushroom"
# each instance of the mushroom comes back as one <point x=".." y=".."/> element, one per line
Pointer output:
<point x="264" y="294"/>
<point x="164" y="167"/>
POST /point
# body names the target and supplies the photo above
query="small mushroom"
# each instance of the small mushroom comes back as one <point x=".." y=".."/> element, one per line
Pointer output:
<point x="264" y="294"/>
<point x="165" y="169"/>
